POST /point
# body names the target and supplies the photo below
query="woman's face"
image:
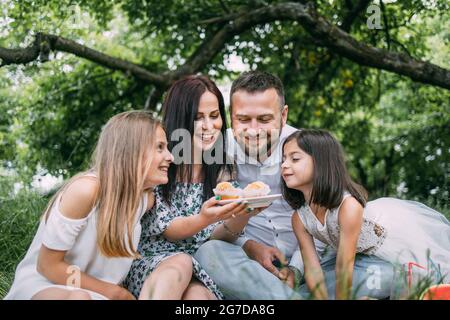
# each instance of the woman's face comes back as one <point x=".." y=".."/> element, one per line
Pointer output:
<point x="208" y="122"/>
<point x="161" y="160"/>
<point x="297" y="168"/>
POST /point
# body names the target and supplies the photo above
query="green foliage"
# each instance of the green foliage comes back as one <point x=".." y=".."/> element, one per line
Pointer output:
<point x="394" y="131"/>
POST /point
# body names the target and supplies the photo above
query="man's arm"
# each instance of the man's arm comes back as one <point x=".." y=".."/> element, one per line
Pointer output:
<point x="265" y="255"/>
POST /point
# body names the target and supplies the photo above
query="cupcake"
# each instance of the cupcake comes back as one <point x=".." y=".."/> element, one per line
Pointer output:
<point x="226" y="191"/>
<point x="256" y="189"/>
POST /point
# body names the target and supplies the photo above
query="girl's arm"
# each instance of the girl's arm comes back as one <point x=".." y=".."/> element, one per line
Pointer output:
<point x="185" y="227"/>
<point x="51" y="265"/>
<point x="314" y="277"/>
<point x="350" y="221"/>
<point x="76" y="203"/>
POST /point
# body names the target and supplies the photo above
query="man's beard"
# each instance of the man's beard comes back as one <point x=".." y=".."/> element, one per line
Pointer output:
<point x="257" y="149"/>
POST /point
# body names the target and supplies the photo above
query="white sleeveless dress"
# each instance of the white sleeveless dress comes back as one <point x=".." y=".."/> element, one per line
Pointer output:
<point x="79" y="238"/>
<point x="398" y="231"/>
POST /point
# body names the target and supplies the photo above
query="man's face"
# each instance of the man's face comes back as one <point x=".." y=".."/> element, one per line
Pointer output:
<point x="257" y="120"/>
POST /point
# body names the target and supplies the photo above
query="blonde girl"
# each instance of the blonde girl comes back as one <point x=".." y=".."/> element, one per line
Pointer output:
<point x="87" y="238"/>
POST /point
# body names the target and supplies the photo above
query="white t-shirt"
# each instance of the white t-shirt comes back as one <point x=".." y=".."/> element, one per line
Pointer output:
<point x="272" y="226"/>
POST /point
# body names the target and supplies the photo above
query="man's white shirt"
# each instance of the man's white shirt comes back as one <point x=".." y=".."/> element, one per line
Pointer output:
<point x="272" y="226"/>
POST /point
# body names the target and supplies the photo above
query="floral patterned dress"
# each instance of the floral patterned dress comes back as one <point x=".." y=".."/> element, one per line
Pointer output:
<point x="187" y="200"/>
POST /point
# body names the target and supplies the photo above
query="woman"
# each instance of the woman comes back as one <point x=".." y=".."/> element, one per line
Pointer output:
<point x="181" y="220"/>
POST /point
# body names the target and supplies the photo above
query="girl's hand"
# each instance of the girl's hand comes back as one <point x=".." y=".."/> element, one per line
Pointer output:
<point x="213" y="213"/>
<point x="287" y="275"/>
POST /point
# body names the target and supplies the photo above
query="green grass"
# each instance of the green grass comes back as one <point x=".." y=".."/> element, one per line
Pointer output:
<point x="19" y="219"/>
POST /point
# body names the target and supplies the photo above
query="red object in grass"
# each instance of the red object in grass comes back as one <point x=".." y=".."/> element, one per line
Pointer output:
<point x="437" y="292"/>
<point x="410" y="272"/>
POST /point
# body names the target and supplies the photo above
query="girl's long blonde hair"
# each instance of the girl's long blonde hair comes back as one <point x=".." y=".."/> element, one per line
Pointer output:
<point x="120" y="161"/>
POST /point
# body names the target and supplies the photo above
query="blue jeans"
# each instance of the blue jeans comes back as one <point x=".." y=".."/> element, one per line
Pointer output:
<point x="240" y="277"/>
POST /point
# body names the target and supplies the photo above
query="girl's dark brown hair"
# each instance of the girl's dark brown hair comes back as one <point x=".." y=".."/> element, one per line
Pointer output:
<point x="330" y="178"/>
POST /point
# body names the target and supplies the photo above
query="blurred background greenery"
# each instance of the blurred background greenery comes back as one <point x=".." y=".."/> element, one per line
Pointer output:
<point x="395" y="131"/>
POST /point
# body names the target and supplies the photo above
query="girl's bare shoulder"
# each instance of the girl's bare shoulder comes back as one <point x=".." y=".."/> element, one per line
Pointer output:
<point x="79" y="197"/>
<point x="350" y="210"/>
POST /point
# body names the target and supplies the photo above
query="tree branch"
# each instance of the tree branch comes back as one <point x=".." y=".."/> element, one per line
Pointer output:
<point x="350" y="15"/>
<point x="45" y="42"/>
<point x="21" y="56"/>
<point x="342" y="43"/>
<point x="323" y="32"/>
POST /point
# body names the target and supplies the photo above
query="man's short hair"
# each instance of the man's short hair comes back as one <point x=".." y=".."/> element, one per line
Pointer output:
<point x="258" y="81"/>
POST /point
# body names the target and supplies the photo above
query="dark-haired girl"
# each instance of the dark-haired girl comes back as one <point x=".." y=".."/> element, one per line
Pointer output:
<point x="185" y="214"/>
<point x="333" y="209"/>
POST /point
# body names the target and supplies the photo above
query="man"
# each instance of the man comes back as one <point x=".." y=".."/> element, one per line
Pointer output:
<point x="265" y="262"/>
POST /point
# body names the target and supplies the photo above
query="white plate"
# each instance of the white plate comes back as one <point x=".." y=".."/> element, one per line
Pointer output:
<point x="254" y="202"/>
